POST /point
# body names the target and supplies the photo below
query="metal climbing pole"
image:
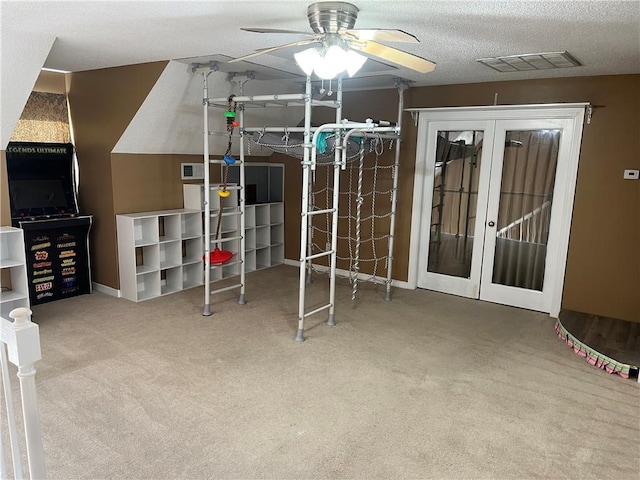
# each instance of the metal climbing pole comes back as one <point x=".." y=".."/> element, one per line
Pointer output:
<point x="304" y="223"/>
<point x="401" y="86"/>
<point x="207" y="197"/>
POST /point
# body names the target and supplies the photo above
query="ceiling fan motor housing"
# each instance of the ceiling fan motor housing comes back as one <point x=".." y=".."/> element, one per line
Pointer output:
<point x="330" y="17"/>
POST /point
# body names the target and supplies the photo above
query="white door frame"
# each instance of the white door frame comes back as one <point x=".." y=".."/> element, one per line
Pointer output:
<point x="565" y="183"/>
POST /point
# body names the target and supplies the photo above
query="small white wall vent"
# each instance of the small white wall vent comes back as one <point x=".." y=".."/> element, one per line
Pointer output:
<point x="192" y="171"/>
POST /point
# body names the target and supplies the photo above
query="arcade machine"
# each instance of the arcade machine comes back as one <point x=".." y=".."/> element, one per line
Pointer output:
<point x="44" y="205"/>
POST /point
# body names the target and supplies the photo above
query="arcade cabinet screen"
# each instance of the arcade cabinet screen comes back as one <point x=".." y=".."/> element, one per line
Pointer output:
<point x="40" y="178"/>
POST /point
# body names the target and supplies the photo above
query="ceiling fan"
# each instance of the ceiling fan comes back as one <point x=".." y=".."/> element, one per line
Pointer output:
<point x="332" y="24"/>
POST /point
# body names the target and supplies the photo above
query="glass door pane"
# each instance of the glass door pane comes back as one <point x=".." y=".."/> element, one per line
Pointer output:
<point x="526" y="192"/>
<point x="454" y="202"/>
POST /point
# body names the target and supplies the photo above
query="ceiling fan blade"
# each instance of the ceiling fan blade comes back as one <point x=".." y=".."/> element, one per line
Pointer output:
<point x="382" y="35"/>
<point x="396" y="56"/>
<point x="273" y="49"/>
<point x="276" y="30"/>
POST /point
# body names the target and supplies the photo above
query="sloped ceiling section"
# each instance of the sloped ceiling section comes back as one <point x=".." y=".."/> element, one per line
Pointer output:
<point x="171" y="118"/>
<point x="23" y="55"/>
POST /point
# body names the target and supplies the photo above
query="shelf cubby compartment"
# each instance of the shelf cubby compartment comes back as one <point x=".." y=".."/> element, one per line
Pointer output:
<point x="277" y="213"/>
<point x="263" y="257"/>
<point x="145" y="230"/>
<point x="170" y="254"/>
<point x="277" y="254"/>
<point x="263" y="215"/>
<point x="191" y="225"/>
<point x="192" y="275"/>
<point x="147" y="286"/>
<point x="147" y="259"/>
<point x="249" y="216"/>
<point x="277" y="234"/>
<point x="250" y="261"/>
<point x="170" y="280"/>
<point x="263" y="236"/>
<point x="250" y="240"/>
<point x="169" y="227"/>
<point x="192" y="251"/>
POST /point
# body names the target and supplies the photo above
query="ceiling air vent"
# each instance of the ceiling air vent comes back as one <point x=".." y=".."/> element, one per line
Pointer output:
<point x="530" y="61"/>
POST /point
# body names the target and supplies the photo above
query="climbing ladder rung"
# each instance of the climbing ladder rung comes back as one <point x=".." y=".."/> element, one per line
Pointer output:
<point x="319" y="309"/>
<point x="214" y="213"/>
<point x="318" y="212"/>
<point x="225" y="289"/>
<point x="226" y="239"/>
<point x="222" y="162"/>
<point x="229" y="187"/>
<point x="318" y="255"/>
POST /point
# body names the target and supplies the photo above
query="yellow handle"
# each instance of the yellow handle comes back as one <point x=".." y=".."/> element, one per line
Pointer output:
<point x="224" y="193"/>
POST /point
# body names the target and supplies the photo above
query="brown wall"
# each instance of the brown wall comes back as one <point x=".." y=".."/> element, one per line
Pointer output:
<point x="145" y="182"/>
<point x="150" y="182"/>
<point x="102" y="103"/>
<point x="50" y="82"/>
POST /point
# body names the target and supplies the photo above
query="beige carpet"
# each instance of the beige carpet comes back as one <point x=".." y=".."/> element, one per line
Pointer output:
<point x="425" y="386"/>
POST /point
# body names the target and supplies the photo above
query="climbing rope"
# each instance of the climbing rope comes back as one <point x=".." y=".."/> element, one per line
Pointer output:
<point x="359" y="200"/>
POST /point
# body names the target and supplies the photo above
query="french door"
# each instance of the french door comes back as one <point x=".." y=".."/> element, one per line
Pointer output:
<point x="494" y="193"/>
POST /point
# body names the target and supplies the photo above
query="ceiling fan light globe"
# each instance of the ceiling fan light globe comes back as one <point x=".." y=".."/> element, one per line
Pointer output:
<point x="354" y="62"/>
<point x="307" y="59"/>
<point x="326" y="70"/>
<point x="330" y="62"/>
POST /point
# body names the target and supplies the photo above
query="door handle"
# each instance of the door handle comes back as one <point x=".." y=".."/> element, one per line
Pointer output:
<point x="492" y="223"/>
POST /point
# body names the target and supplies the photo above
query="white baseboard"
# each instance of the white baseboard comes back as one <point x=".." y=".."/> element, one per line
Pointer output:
<point x="98" y="287"/>
<point x="344" y="273"/>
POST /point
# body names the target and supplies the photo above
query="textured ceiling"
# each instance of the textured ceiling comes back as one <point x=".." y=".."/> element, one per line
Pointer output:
<point x="603" y="35"/>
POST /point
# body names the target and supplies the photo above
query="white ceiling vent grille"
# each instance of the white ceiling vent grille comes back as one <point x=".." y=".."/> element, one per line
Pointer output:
<point x="531" y="61"/>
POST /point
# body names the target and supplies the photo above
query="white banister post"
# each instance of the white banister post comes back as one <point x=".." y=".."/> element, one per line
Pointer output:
<point x="24" y="352"/>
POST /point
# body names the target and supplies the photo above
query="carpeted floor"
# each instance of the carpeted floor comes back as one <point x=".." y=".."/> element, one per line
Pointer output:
<point x="425" y="386"/>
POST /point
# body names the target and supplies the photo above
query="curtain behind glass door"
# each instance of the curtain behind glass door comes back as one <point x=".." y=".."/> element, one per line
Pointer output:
<point x="526" y="192"/>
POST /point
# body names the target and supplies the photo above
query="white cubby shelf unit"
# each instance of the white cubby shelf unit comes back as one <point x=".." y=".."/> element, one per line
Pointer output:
<point x="264" y="230"/>
<point x="15" y="284"/>
<point x="264" y="213"/>
<point x="159" y="252"/>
